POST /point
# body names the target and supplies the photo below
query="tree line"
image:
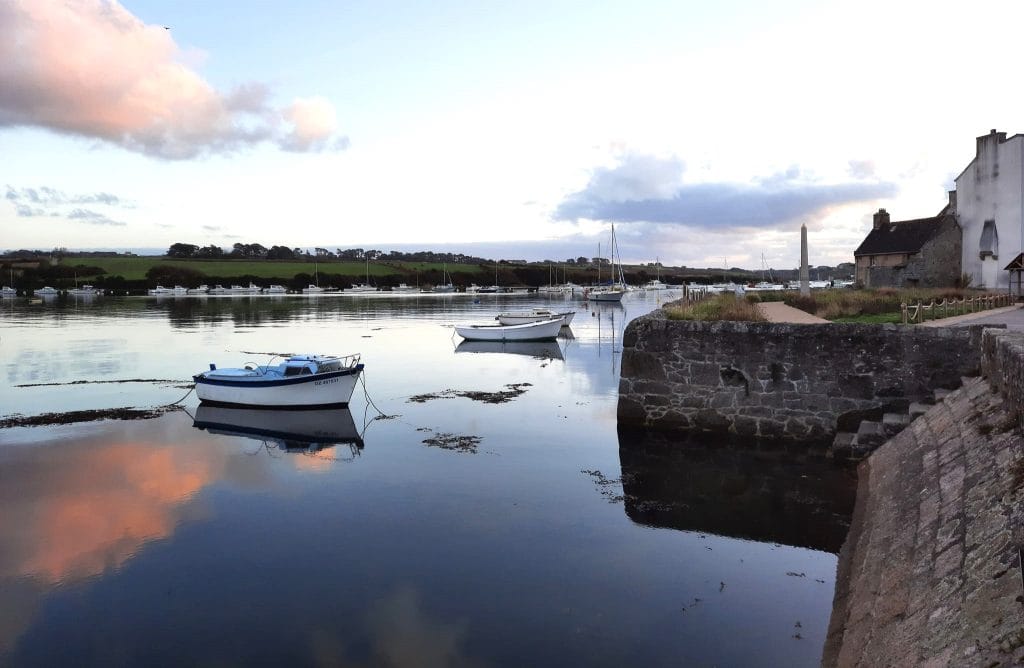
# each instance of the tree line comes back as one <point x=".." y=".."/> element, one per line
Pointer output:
<point x="257" y="251"/>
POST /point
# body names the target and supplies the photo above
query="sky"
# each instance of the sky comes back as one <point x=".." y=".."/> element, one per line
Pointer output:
<point x="706" y="133"/>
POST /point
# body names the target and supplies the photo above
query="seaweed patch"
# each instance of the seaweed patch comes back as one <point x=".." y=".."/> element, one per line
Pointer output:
<point x="606" y="486"/>
<point x="453" y="442"/>
<point x="176" y="382"/>
<point x="499" y="397"/>
<point x="72" y="417"/>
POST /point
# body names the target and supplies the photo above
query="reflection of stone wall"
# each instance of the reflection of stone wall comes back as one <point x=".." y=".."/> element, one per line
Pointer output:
<point x="757" y="495"/>
<point x="773" y="380"/>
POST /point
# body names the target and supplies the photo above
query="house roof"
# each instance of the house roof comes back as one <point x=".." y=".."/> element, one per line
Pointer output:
<point x="902" y="236"/>
<point x="1018" y="263"/>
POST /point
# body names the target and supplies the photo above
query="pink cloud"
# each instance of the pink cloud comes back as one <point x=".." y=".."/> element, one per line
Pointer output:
<point x="313" y="124"/>
<point x="91" y="68"/>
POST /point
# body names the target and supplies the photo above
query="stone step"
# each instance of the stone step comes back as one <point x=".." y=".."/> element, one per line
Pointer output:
<point x="917" y="409"/>
<point x="870" y="435"/>
<point x="842" y="445"/>
<point x="941" y="394"/>
<point x="894" y="423"/>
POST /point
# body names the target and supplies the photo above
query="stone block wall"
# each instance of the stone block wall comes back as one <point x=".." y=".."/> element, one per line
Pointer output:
<point x="801" y="383"/>
<point x="1002" y="363"/>
<point x="936" y="265"/>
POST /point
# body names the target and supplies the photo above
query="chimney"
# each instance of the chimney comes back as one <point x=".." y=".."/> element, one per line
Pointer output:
<point x="993" y="136"/>
<point x="881" y="219"/>
<point x="952" y="201"/>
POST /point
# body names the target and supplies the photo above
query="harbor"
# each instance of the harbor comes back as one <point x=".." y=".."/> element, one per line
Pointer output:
<point x="492" y="512"/>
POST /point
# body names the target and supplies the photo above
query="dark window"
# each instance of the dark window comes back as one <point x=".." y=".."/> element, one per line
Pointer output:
<point x="988" y="246"/>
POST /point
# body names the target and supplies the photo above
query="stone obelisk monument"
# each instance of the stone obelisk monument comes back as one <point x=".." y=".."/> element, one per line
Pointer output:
<point x="805" y="271"/>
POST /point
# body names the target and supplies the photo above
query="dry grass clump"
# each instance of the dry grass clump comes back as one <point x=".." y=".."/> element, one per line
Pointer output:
<point x="719" y="307"/>
<point x="845" y="303"/>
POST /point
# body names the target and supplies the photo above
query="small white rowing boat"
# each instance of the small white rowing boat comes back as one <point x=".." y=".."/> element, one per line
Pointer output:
<point x="536" y="315"/>
<point x="533" y="331"/>
<point x="301" y="380"/>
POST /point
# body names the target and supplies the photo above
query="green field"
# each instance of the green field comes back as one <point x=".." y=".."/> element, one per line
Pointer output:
<point x="135" y="268"/>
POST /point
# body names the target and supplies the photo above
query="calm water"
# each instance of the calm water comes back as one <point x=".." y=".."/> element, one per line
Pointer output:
<point x="537" y="535"/>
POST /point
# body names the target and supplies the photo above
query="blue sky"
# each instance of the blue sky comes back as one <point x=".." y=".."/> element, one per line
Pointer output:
<point x="702" y="130"/>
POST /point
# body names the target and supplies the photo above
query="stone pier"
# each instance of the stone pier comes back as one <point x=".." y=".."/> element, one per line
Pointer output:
<point x="798" y="383"/>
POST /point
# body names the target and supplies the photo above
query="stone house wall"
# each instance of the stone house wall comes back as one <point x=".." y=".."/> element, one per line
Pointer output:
<point x="937" y="265"/>
<point x="802" y="383"/>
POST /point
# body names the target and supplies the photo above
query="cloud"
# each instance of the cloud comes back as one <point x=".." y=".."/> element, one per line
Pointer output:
<point x="861" y="169"/>
<point x="93" y="218"/>
<point x="210" y="228"/>
<point x="648" y="189"/>
<point x="26" y="211"/>
<point x="51" y="197"/>
<point x="93" y="69"/>
<point x="313" y="124"/>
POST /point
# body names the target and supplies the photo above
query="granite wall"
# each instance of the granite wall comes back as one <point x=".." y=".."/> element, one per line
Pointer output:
<point x="1002" y="363"/>
<point x="801" y="383"/>
<point x="930" y="572"/>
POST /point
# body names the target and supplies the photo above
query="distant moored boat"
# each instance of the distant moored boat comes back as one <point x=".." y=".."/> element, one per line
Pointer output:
<point x="534" y="331"/>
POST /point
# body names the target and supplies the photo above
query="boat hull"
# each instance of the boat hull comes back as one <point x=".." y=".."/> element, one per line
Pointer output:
<point x="535" y="331"/>
<point x="526" y="318"/>
<point x="323" y="389"/>
<point x="605" y="295"/>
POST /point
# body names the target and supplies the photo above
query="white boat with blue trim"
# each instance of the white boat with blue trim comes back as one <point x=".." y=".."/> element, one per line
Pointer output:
<point x="300" y="381"/>
<point x="543" y="330"/>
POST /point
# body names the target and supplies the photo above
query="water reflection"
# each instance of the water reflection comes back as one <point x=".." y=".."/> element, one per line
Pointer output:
<point x="234" y="537"/>
<point x="311" y="432"/>
<point x="399" y="633"/>
<point x="548" y="350"/>
<point x="766" y="496"/>
<point x="75" y="510"/>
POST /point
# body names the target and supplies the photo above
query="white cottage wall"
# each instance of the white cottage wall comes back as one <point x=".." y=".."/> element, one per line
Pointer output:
<point x="992" y="188"/>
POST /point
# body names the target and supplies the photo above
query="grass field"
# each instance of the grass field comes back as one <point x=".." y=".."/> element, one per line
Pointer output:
<point x="135" y="268"/>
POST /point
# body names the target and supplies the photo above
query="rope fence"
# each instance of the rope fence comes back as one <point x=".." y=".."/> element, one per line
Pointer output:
<point x="920" y="312"/>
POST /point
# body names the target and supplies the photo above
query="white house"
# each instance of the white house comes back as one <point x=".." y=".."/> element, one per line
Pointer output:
<point x="990" y="208"/>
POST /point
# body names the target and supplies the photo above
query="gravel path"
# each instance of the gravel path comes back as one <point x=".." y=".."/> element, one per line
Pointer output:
<point x="779" y="312"/>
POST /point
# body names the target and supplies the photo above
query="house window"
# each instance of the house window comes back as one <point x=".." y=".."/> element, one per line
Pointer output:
<point x="988" y="246"/>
